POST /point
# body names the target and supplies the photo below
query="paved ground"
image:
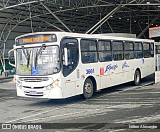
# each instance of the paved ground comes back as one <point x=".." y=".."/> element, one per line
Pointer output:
<point x="118" y="107"/>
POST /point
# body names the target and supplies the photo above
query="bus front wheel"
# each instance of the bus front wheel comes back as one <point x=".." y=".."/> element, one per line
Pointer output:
<point x="88" y="88"/>
<point x="137" y="77"/>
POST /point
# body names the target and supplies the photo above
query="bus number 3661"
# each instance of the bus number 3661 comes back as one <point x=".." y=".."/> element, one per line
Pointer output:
<point x="89" y="71"/>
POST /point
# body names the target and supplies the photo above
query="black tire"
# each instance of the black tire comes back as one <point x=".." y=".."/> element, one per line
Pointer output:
<point x="137" y="78"/>
<point x="88" y="89"/>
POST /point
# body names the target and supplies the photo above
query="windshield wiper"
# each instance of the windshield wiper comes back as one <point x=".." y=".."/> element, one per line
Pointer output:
<point x="43" y="47"/>
<point x="27" y="55"/>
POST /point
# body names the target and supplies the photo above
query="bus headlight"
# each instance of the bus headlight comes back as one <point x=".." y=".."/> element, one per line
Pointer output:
<point x="19" y="84"/>
<point x="56" y="82"/>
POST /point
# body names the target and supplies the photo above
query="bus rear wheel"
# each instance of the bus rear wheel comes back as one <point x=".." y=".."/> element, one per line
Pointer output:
<point x="137" y="77"/>
<point x="88" y="88"/>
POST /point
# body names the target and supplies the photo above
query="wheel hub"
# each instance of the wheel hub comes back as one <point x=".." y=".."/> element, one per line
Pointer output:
<point x="88" y="88"/>
<point x="137" y="78"/>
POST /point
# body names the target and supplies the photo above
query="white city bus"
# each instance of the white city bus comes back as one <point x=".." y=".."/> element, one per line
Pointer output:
<point x="57" y="65"/>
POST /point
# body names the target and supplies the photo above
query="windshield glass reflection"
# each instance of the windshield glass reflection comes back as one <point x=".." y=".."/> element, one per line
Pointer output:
<point x="42" y="60"/>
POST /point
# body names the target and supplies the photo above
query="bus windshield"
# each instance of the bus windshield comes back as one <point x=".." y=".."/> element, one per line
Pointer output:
<point x="42" y="60"/>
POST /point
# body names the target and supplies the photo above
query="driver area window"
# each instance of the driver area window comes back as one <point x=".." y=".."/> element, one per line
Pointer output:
<point x="73" y="55"/>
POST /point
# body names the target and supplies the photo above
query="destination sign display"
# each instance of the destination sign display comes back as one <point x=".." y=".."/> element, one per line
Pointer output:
<point x="33" y="39"/>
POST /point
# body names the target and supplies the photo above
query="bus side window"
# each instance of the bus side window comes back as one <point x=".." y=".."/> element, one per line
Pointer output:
<point x="117" y="47"/>
<point x="89" y="51"/>
<point x="104" y="50"/>
<point x="128" y="50"/>
<point x="138" y="50"/>
<point x="146" y="50"/>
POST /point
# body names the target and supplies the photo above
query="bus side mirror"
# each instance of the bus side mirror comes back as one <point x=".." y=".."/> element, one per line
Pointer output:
<point x="66" y="56"/>
<point x="9" y="57"/>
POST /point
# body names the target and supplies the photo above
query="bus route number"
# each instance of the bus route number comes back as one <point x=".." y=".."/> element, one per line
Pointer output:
<point x="89" y="71"/>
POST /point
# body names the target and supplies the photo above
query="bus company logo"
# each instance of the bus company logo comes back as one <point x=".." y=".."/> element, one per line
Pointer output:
<point x="125" y="65"/>
<point x="111" y="67"/>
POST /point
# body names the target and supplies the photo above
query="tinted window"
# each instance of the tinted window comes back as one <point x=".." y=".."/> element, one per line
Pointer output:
<point x="146" y="50"/>
<point x="117" y="45"/>
<point x="104" y="48"/>
<point x="128" y="46"/>
<point x="88" y="45"/>
<point x="104" y="45"/>
<point x="137" y="46"/>
<point x="89" y="51"/>
<point x="129" y="52"/>
<point x="138" y="50"/>
<point x="117" y="50"/>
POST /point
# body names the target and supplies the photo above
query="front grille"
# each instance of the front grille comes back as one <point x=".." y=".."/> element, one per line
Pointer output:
<point x="33" y="79"/>
<point x="33" y="87"/>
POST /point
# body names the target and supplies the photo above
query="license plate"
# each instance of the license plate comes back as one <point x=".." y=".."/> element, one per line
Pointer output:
<point x="32" y="92"/>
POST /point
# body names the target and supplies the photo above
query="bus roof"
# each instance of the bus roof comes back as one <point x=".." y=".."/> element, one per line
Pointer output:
<point x="92" y="36"/>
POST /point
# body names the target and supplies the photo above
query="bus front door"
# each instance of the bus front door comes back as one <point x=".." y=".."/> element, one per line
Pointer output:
<point x="69" y="70"/>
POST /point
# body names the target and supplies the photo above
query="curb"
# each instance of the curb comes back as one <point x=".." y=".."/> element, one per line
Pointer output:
<point x="7" y="79"/>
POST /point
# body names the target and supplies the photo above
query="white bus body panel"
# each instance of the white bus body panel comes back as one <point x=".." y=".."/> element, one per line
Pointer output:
<point x="116" y="72"/>
<point x="40" y="89"/>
